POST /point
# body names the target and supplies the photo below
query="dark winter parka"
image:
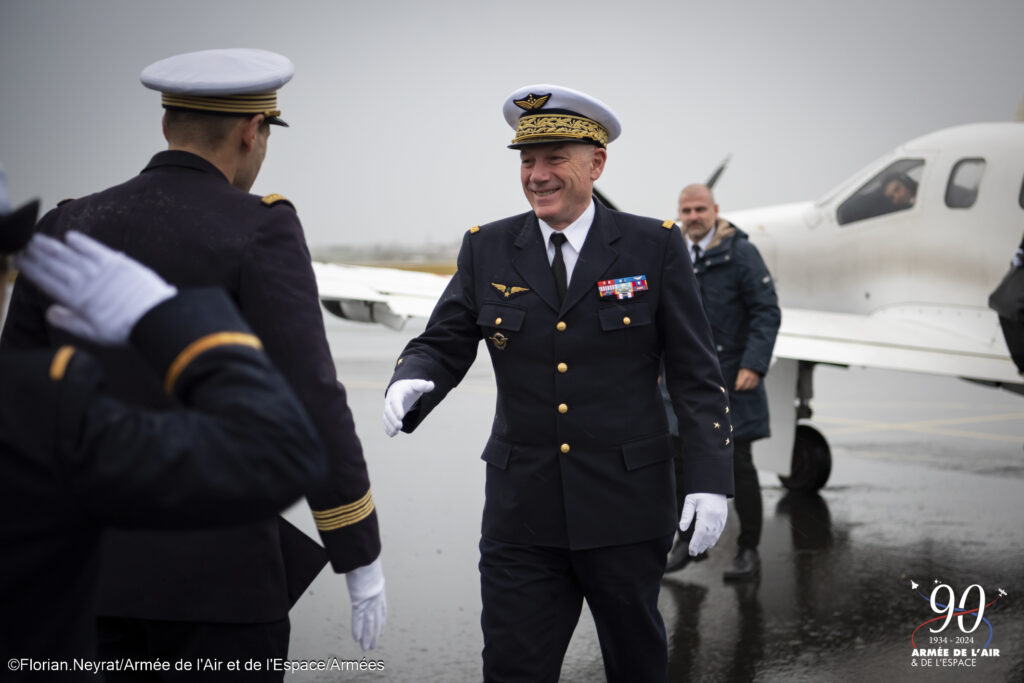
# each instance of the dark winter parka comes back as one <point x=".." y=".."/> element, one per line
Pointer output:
<point x="740" y="302"/>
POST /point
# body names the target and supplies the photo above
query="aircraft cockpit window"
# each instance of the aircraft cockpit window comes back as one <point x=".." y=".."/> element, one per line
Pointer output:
<point x="894" y="189"/>
<point x="964" y="180"/>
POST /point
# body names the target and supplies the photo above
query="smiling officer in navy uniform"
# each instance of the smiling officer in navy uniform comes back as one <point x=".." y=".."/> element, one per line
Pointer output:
<point x="189" y="216"/>
<point x="576" y="305"/>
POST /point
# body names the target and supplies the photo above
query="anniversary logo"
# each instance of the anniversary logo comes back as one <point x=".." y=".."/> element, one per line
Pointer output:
<point x="961" y="636"/>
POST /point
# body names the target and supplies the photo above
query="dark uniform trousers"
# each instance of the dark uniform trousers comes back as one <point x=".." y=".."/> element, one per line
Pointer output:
<point x="749" y="508"/>
<point x="580" y="485"/>
<point x="76" y="461"/>
<point x="182" y="218"/>
<point x="532" y="597"/>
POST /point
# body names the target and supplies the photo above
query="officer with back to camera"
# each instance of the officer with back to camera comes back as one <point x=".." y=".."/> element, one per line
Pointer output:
<point x="189" y="215"/>
<point x="76" y="461"/>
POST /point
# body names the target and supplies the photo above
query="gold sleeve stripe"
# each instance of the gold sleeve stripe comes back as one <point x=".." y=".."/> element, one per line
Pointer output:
<point x="203" y="344"/>
<point x="344" y="515"/>
<point x="60" y="362"/>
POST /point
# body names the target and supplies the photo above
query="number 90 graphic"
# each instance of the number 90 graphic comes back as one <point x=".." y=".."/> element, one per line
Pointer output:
<point x="951" y="611"/>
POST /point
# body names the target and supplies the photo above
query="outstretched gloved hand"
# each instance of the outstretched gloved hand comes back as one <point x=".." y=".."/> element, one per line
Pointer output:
<point x="401" y="396"/>
<point x="369" y="606"/>
<point x="711" y="510"/>
<point x="100" y="293"/>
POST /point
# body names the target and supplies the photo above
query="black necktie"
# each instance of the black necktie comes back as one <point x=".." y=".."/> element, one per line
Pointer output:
<point x="558" y="265"/>
<point x="696" y="253"/>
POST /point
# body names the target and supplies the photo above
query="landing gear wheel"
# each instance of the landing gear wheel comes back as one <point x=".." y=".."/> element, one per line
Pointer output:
<point x="812" y="461"/>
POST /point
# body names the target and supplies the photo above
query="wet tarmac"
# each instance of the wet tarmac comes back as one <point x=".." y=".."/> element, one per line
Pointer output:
<point x="927" y="486"/>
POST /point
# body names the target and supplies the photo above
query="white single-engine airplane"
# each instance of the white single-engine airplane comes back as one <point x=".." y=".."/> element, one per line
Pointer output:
<point x="892" y="269"/>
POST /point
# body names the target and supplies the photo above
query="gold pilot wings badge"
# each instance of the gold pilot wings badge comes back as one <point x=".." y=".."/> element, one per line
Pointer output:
<point x="532" y="102"/>
<point x="509" y="290"/>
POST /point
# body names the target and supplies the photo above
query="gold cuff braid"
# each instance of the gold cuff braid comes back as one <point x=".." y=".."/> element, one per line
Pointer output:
<point x="344" y="515"/>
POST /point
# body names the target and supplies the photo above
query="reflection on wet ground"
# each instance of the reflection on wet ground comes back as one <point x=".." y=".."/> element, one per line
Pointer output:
<point x="927" y="485"/>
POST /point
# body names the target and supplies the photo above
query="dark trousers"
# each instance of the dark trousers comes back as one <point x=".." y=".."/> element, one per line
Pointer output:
<point x="1013" y="333"/>
<point x="532" y="597"/>
<point x="749" y="508"/>
<point x="202" y="645"/>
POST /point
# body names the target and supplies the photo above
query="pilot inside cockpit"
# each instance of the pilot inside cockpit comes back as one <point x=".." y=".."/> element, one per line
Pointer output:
<point x="901" y="191"/>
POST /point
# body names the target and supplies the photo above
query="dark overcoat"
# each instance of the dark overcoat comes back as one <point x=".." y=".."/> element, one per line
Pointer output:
<point x="740" y="301"/>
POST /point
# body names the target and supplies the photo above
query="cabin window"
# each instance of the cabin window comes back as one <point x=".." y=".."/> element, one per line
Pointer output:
<point x="964" y="180"/>
<point x="894" y="189"/>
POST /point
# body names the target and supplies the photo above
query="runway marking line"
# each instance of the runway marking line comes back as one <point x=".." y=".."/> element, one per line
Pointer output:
<point x="858" y="426"/>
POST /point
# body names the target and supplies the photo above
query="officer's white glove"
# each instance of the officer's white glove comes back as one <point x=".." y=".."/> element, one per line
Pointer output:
<point x="100" y="293"/>
<point x="711" y="510"/>
<point x="401" y="396"/>
<point x="369" y="607"/>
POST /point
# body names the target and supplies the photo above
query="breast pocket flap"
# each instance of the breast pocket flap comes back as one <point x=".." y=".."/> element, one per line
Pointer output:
<point x="624" y="317"/>
<point x="501" y="317"/>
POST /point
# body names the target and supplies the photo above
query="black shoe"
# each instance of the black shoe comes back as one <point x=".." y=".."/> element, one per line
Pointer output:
<point x="747" y="565"/>
<point x="679" y="556"/>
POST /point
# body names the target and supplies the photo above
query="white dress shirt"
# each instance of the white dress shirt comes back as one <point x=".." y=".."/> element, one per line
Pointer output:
<point x="575" y="234"/>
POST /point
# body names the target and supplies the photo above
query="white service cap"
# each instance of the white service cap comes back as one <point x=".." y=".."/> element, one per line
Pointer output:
<point x="237" y="81"/>
<point x="551" y="113"/>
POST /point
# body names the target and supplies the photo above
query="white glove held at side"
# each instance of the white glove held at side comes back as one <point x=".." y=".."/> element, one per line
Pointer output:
<point x="100" y="293"/>
<point x="401" y="396"/>
<point x="369" y="606"/>
<point x="711" y="510"/>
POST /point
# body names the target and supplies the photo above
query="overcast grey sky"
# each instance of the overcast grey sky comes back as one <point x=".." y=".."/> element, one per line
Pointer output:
<point x="397" y="133"/>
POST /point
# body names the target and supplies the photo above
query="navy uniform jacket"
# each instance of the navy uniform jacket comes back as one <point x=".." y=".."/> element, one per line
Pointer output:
<point x="182" y="218"/>
<point x="579" y="454"/>
<point x="743" y="309"/>
<point x="75" y="460"/>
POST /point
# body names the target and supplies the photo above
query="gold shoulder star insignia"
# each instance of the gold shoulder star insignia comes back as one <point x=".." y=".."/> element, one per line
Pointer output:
<point x="718" y="426"/>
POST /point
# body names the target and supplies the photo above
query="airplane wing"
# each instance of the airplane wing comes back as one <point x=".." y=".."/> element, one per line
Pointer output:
<point x="959" y="342"/>
<point x="389" y="296"/>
